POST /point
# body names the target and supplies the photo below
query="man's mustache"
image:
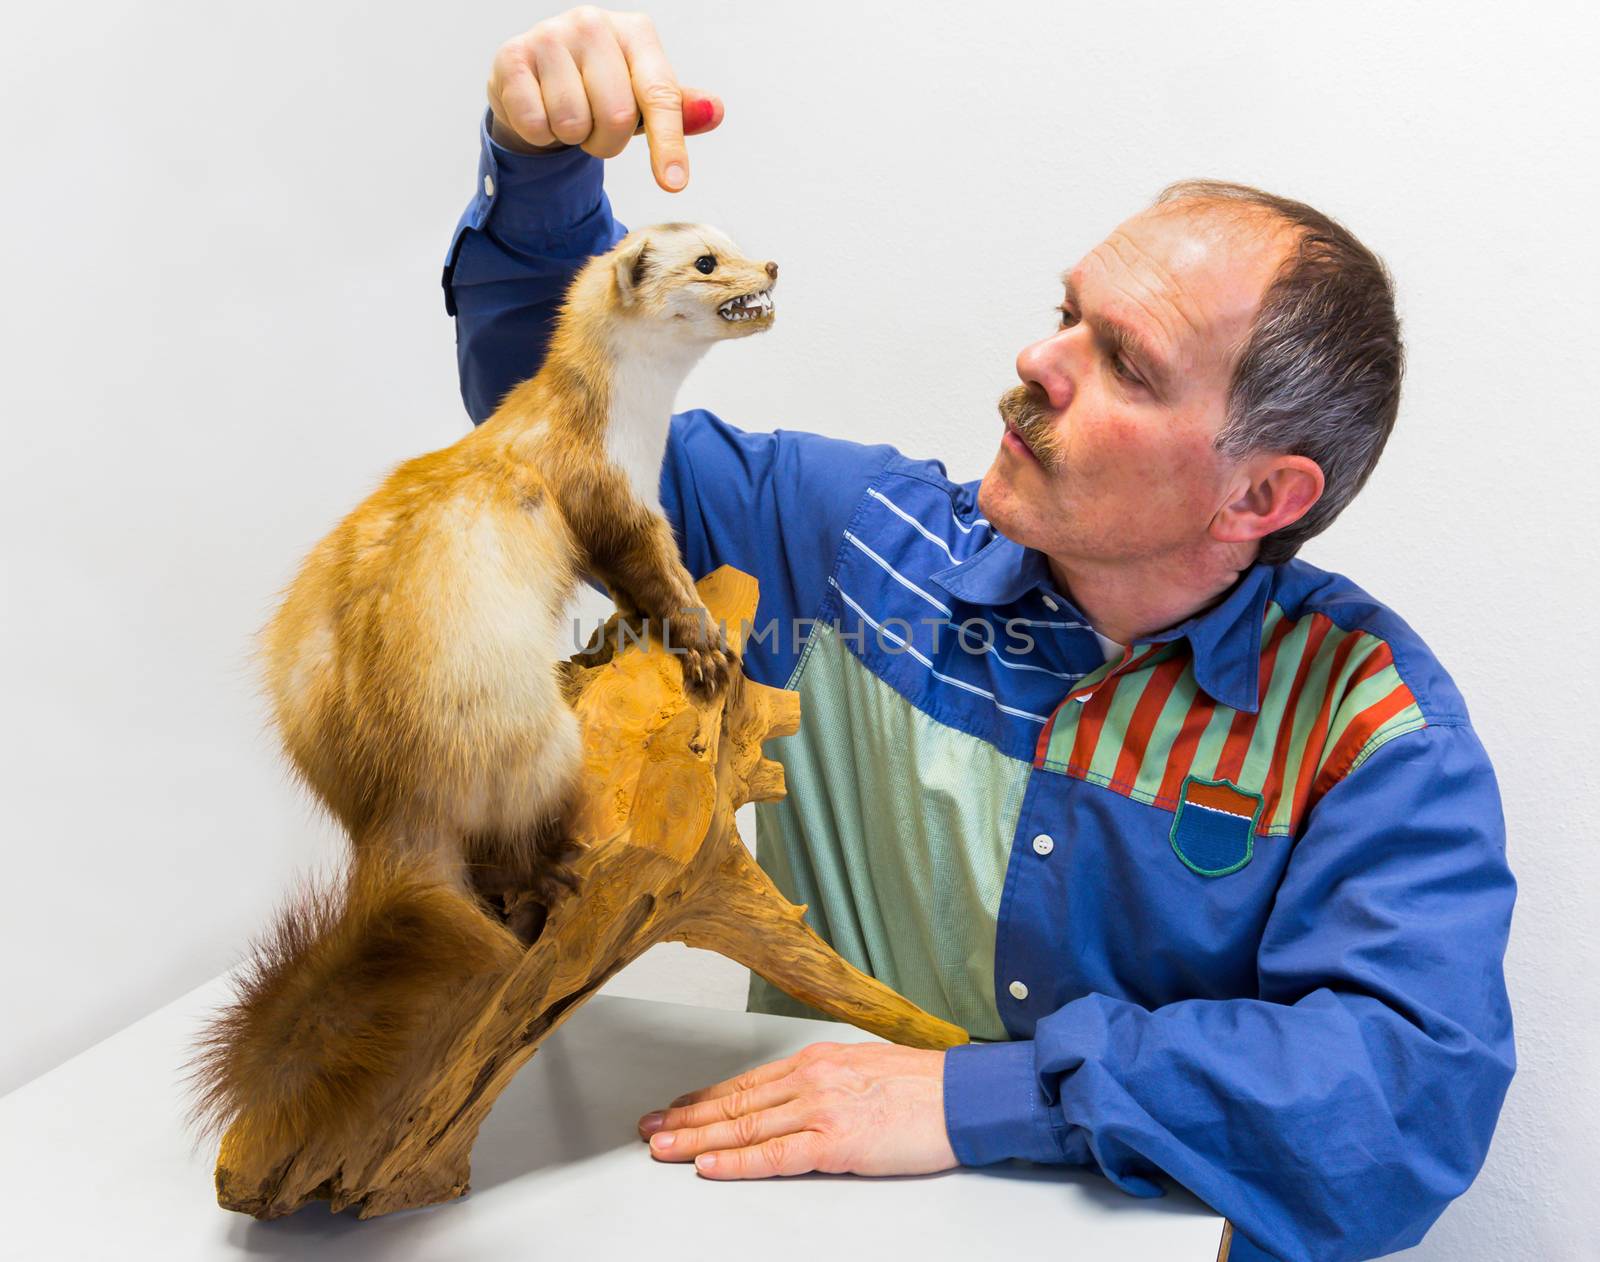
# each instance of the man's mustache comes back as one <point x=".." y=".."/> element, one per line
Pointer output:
<point x="1023" y="409"/>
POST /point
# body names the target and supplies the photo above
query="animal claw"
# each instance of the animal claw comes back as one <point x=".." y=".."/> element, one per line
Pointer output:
<point x="706" y="673"/>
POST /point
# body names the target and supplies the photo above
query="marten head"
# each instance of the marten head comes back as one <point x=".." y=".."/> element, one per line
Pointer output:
<point x="693" y="281"/>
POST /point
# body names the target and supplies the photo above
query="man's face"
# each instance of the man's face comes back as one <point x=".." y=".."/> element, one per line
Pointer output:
<point x="1107" y="453"/>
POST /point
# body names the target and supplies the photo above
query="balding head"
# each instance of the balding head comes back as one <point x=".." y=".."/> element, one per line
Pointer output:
<point x="1319" y="374"/>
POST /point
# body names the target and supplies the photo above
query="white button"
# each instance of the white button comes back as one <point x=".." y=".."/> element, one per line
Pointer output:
<point x="1083" y="696"/>
<point x="1018" y="990"/>
<point x="1044" y="843"/>
<point x="1050" y="604"/>
<point x="488" y="186"/>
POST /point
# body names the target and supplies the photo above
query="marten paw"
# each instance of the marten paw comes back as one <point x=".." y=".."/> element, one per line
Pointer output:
<point x="525" y="916"/>
<point x="631" y="627"/>
<point x="527" y="908"/>
<point x="556" y="877"/>
<point x="707" y="659"/>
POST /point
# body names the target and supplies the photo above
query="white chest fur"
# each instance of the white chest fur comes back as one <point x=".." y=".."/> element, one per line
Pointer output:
<point x="643" y="388"/>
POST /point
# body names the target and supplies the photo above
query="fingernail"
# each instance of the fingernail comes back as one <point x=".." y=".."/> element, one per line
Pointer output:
<point x="705" y="1161"/>
<point x="698" y="114"/>
<point x="650" y="1123"/>
<point x="664" y="1140"/>
<point x="674" y="174"/>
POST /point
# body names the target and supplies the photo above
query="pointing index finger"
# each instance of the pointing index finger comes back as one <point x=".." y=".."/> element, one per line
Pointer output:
<point x="660" y="100"/>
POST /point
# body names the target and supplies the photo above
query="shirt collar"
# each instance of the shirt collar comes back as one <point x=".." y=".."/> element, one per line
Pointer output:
<point x="1225" y="639"/>
<point x="996" y="574"/>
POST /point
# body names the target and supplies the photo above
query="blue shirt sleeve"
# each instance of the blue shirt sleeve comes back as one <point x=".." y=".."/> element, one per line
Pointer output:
<point x="774" y="505"/>
<point x="1335" y="1116"/>
<point x="533" y="220"/>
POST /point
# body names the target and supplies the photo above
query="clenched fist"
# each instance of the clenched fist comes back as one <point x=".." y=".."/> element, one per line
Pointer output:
<point x="594" y="79"/>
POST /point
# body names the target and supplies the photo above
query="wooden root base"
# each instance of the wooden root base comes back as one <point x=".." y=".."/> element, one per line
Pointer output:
<point x="663" y="862"/>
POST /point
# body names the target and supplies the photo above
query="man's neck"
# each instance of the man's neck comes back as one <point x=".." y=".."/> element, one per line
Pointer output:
<point x="1127" y="601"/>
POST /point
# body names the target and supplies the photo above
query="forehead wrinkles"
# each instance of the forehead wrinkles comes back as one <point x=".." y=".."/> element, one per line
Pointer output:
<point x="1143" y="287"/>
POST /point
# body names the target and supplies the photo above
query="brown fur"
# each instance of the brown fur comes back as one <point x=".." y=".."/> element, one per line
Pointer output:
<point x="330" y="1001"/>
<point x="412" y="671"/>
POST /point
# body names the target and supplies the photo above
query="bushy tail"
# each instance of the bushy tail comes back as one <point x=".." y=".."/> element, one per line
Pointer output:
<point x="333" y="998"/>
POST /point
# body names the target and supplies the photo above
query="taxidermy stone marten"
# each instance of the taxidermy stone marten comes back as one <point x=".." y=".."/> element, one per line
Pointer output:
<point x="413" y="674"/>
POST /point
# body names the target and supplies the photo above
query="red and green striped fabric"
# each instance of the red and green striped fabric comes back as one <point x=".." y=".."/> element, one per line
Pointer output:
<point x="1329" y="697"/>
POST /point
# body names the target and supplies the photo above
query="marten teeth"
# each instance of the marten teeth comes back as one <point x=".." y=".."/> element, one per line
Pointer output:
<point x="747" y="306"/>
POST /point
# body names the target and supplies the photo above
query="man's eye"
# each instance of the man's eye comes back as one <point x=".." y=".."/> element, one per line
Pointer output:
<point x="1120" y="367"/>
<point x="1067" y="318"/>
<point x="707" y="263"/>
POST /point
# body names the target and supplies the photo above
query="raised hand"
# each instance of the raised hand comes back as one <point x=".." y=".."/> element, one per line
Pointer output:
<point x="593" y="79"/>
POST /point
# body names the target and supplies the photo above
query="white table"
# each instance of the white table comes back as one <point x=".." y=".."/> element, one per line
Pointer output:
<point x="95" y="1164"/>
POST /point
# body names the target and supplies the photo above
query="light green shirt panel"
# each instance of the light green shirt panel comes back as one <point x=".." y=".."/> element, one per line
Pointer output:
<point x="896" y="832"/>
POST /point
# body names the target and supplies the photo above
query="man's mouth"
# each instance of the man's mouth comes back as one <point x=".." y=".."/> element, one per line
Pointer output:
<point x="753" y="306"/>
<point x="1029" y="433"/>
<point x="1014" y="440"/>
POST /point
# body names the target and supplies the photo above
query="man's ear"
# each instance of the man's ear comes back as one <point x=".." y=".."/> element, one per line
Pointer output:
<point x="1272" y="491"/>
<point x="633" y="264"/>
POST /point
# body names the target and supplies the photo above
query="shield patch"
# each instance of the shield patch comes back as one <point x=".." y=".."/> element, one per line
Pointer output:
<point x="1214" y="830"/>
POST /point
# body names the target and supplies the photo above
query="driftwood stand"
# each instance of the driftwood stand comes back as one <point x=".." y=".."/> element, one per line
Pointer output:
<point x="663" y="864"/>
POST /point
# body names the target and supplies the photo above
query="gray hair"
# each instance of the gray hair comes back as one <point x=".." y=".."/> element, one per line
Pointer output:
<point x="1319" y="375"/>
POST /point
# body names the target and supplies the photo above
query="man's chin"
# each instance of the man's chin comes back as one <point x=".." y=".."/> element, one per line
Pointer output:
<point x="997" y="500"/>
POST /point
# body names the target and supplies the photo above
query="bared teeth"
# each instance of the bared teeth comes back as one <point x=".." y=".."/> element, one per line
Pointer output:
<point x="747" y="306"/>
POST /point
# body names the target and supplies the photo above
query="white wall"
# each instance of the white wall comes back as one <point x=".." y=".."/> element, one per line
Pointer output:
<point x="222" y="232"/>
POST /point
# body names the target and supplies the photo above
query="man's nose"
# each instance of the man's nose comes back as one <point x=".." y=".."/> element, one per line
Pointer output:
<point x="1040" y="365"/>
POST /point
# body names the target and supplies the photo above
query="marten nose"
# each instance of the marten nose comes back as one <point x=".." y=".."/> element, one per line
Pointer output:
<point x="772" y="271"/>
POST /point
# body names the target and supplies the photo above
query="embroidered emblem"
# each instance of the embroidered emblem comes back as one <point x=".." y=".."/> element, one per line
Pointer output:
<point x="1215" y="828"/>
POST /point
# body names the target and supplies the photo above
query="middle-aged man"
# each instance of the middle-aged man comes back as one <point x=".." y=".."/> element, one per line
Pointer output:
<point x="1194" y="838"/>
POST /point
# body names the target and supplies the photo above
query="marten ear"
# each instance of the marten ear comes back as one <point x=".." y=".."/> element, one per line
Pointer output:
<point x="633" y="265"/>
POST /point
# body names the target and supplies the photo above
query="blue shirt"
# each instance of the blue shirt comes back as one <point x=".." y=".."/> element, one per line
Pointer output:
<point x="1231" y="908"/>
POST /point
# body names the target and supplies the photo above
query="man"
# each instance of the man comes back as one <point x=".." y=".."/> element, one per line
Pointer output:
<point x="1195" y="838"/>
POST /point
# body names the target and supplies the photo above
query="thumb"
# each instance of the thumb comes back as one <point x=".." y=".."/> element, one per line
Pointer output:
<point x="698" y="112"/>
<point x="702" y="111"/>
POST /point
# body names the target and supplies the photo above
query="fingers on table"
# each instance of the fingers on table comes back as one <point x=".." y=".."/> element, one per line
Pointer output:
<point x="743" y="1131"/>
<point x="772" y="1071"/>
<point x="726" y="1108"/>
<point x="799" y="1152"/>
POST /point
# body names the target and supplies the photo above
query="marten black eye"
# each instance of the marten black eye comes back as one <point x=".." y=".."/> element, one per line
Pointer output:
<point x="707" y="263"/>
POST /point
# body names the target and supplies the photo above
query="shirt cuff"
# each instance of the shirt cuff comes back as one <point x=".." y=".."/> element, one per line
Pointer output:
<point x="993" y="1108"/>
<point x="527" y="199"/>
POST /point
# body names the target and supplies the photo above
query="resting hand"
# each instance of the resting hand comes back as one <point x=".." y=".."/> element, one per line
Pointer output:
<point x="841" y="1108"/>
